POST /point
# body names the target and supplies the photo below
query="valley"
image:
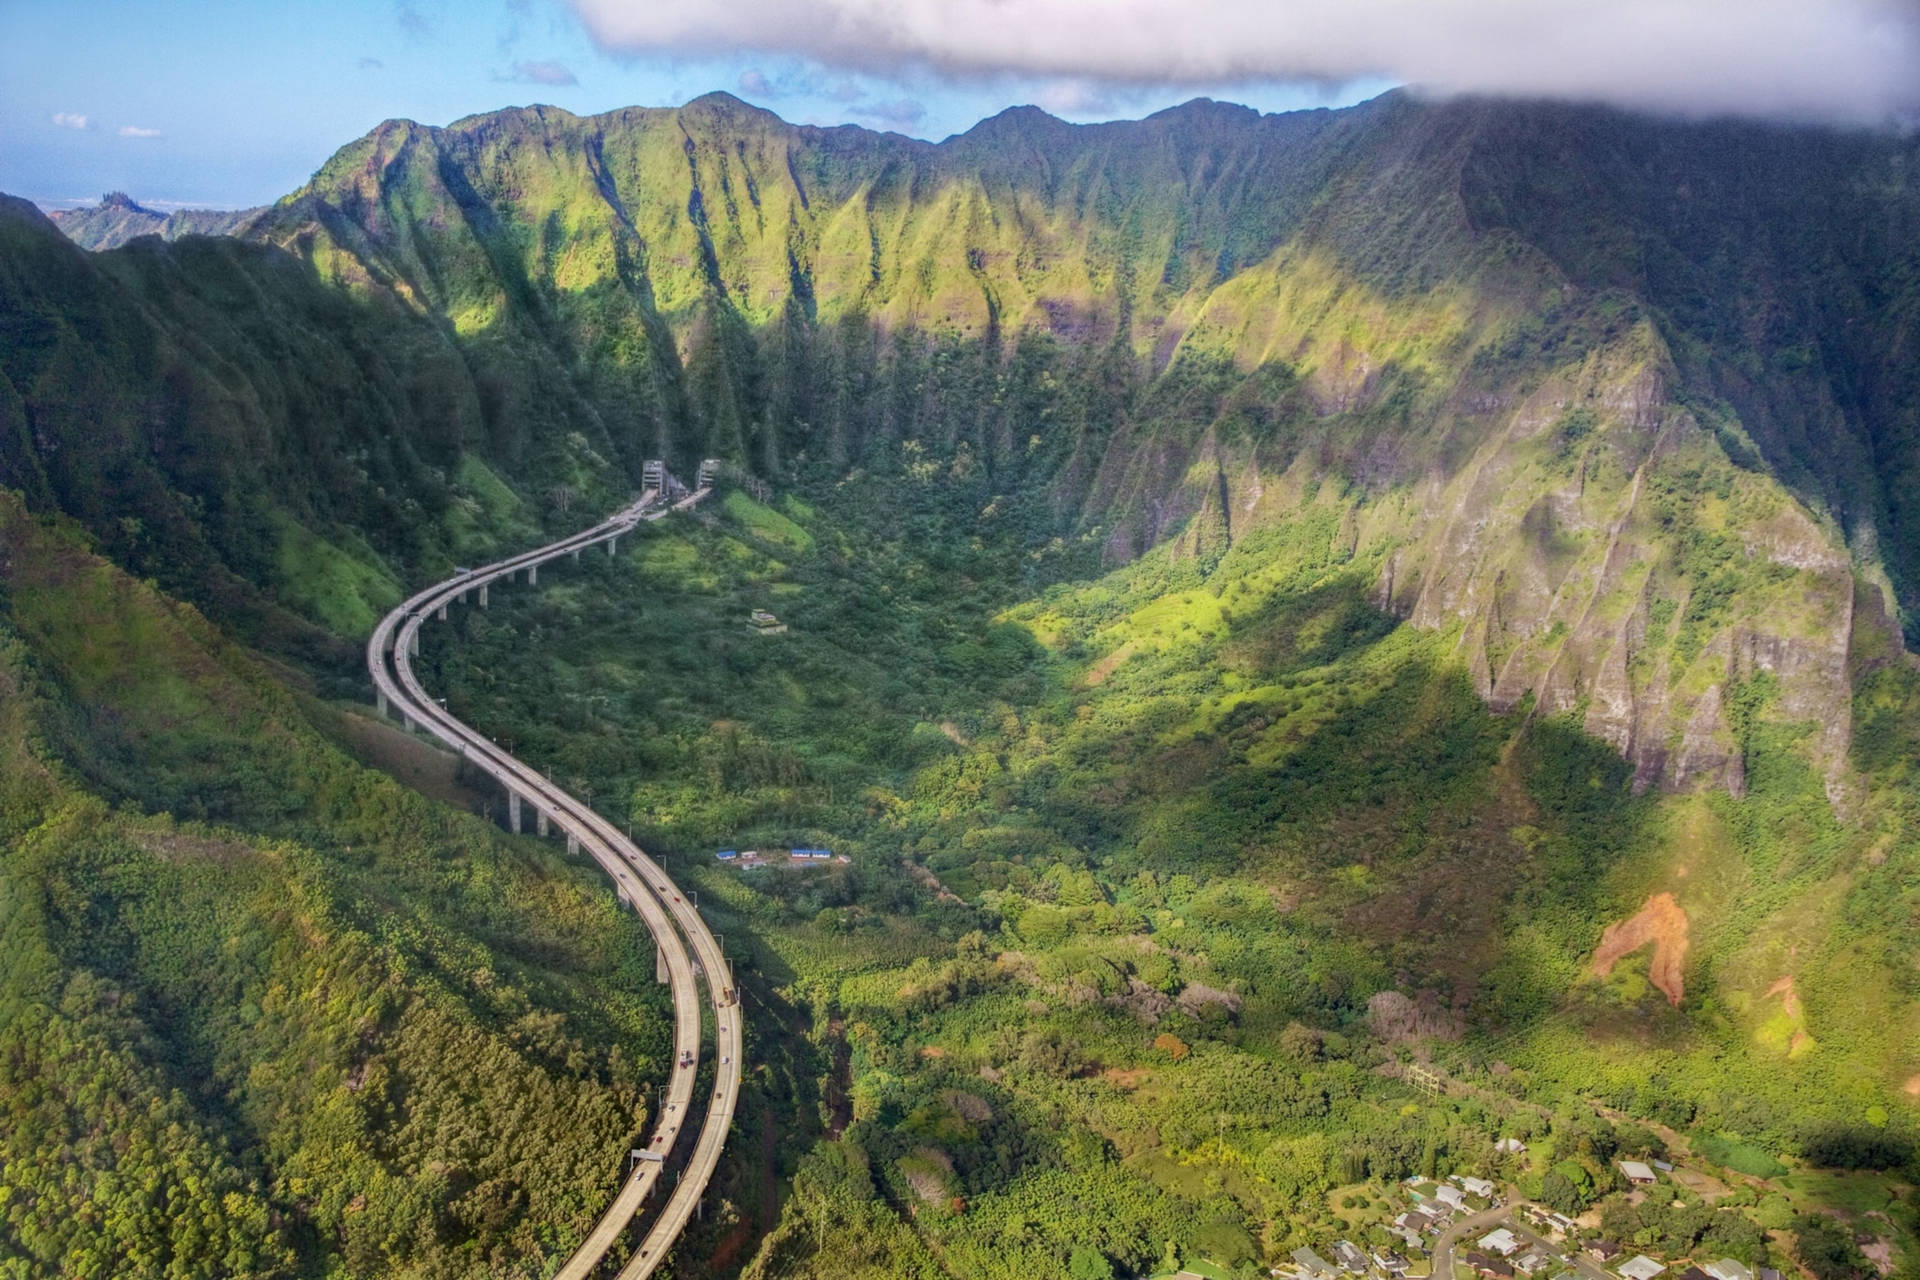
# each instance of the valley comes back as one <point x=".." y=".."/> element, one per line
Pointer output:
<point x="1319" y="643"/>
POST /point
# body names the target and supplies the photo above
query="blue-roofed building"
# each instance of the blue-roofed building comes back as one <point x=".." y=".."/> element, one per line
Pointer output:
<point x="726" y="855"/>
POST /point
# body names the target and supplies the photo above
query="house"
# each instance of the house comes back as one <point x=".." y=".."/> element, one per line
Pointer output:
<point x="1767" y="1273"/>
<point x="1640" y="1267"/>
<point x="1511" y="1146"/>
<point x="1391" y="1263"/>
<point x="1561" y="1222"/>
<point x="1637" y="1173"/>
<point x="727" y="855"/>
<point x="760" y="622"/>
<point x="1350" y="1258"/>
<point x="1501" y="1241"/>
<point x="1604" y="1250"/>
<point x="1533" y="1261"/>
<point x="1492" y="1268"/>
<point x="1479" y="1187"/>
<point x="1728" y="1269"/>
<point x="1415" y="1221"/>
<point x="1691" y="1273"/>
<point x="1452" y="1197"/>
<point x="1312" y="1266"/>
<point x="1663" y="1166"/>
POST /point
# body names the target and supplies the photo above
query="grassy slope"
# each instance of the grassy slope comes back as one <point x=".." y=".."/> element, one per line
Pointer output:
<point x="312" y="1022"/>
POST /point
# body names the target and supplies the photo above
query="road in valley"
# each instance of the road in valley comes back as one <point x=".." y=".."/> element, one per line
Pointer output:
<point x="688" y="949"/>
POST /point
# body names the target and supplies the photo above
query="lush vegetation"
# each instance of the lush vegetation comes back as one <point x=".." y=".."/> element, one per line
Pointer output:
<point x="264" y="1011"/>
<point x="1265" y="595"/>
<point x="1156" y="880"/>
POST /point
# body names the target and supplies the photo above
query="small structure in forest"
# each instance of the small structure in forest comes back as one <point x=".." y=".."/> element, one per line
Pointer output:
<point x="762" y="623"/>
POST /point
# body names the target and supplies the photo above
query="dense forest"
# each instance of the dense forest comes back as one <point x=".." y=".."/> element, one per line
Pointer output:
<point x="1271" y="600"/>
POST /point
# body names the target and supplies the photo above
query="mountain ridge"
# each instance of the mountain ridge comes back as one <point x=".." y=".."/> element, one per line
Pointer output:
<point x="1284" y="586"/>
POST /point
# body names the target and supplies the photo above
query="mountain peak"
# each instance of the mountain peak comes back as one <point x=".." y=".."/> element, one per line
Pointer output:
<point x="121" y="200"/>
<point x="1016" y="122"/>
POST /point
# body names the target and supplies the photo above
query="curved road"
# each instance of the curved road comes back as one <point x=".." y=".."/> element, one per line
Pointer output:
<point x="687" y="946"/>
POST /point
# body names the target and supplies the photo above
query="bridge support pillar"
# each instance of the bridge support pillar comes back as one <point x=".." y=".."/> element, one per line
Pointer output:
<point x="443" y="613"/>
<point x="380" y="701"/>
<point x="483" y="595"/>
<point x="533" y="574"/>
<point x="540" y="821"/>
<point x="413" y="645"/>
<point x="576" y="555"/>
<point x="573" y="843"/>
<point x="660" y="973"/>
<point x="613" y="547"/>
<point x="513" y="812"/>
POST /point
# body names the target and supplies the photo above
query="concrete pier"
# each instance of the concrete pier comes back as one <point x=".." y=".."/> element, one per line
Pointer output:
<point x="380" y="701"/>
<point x="540" y="822"/>
<point x="513" y="812"/>
<point x="533" y="574"/>
<point x="573" y="843"/>
<point x="660" y="965"/>
<point x="443" y="613"/>
<point x="483" y="595"/>
<point x="613" y="547"/>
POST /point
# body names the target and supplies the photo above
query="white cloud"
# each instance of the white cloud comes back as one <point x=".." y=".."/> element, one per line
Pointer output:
<point x="1075" y="97"/>
<point x="71" y="120"/>
<point x="135" y="131"/>
<point x="900" y="113"/>
<point x="1834" y="59"/>
<point x="754" y="81"/>
<point x="544" y="71"/>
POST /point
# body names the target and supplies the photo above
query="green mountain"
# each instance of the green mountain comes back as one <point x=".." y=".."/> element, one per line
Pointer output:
<point x="1269" y="595"/>
<point x="118" y="219"/>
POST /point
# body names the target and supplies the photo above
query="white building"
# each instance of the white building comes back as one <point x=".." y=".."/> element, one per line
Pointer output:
<point x="1640" y="1267"/>
<point x="1501" y="1241"/>
<point x="1638" y="1173"/>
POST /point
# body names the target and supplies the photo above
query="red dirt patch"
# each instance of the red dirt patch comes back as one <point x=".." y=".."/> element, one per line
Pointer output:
<point x="1097" y="674"/>
<point x="932" y="1051"/>
<point x="1912" y="1086"/>
<point x="1128" y="1079"/>
<point x="1789" y="999"/>
<point x="1664" y="924"/>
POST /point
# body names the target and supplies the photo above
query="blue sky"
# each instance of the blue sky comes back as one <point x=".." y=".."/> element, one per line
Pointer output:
<point x="226" y="103"/>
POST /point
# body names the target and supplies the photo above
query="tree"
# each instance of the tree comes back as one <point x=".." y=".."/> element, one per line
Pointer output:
<point x="1089" y="1264"/>
<point x="1171" y="1045"/>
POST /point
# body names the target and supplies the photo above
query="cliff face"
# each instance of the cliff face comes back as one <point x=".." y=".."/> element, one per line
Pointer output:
<point x="1629" y="404"/>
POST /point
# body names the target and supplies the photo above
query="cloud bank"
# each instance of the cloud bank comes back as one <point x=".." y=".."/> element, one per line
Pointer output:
<point x="135" y="131"/>
<point x="71" y="120"/>
<point x="544" y="71"/>
<point x="1856" y="60"/>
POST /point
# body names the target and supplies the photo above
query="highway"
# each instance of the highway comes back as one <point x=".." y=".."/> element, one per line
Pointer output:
<point x="686" y="945"/>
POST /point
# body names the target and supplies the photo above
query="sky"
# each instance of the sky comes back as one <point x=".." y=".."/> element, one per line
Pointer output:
<point x="229" y="103"/>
